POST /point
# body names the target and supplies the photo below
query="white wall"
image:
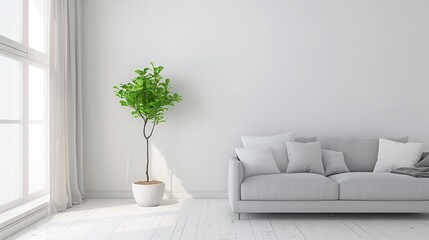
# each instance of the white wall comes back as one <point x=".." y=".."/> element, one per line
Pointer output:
<point x="329" y="68"/>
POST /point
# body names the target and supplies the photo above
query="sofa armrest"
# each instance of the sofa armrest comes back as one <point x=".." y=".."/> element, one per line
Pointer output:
<point x="235" y="177"/>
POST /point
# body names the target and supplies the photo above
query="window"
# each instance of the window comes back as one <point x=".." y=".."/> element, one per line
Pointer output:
<point x="24" y="128"/>
<point x="10" y="19"/>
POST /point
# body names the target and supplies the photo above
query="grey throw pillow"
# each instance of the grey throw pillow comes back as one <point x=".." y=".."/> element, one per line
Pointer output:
<point x="424" y="160"/>
<point x="274" y="143"/>
<point x="304" y="157"/>
<point x="333" y="162"/>
<point x="257" y="161"/>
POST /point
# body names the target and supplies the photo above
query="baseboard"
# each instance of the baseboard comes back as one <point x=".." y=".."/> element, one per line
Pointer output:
<point x="179" y="194"/>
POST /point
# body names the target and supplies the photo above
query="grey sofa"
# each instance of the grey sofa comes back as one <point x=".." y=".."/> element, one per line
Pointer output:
<point x="360" y="190"/>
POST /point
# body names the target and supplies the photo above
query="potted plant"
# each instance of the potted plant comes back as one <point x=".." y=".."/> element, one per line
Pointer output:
<point x="149" y="96"/>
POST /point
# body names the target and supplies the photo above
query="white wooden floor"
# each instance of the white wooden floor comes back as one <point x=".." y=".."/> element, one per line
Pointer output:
<point x="212" y="219"/>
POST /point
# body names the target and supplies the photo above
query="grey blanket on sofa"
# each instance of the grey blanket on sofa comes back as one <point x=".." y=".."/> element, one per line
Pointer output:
<point x="422" y="172"/>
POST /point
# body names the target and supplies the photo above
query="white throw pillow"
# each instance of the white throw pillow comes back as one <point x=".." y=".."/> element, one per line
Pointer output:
<point x="305" y="157"/>
<point x="276" y="143"/>
<point x="393" y="155"/>
<point x="333" y="162"/>
<point x="257" y="161"/>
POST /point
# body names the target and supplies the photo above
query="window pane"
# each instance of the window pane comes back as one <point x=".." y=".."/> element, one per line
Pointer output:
<point x="9" y="90"/>
<point x="36" y="34"/>
<point x="9" y="19"/>
<point x="36" y="92"/>
<point x="36" y="157"/>
<point x="9" y="162"/>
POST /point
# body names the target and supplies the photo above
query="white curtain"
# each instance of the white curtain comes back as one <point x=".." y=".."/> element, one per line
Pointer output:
<point x="66" y="176"/>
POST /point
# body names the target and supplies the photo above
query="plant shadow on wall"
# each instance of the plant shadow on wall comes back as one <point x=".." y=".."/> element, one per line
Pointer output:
<point x="149" y="96"/>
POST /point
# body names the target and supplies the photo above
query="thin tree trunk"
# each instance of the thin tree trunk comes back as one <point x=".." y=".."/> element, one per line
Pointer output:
<point x="147" y="159"/>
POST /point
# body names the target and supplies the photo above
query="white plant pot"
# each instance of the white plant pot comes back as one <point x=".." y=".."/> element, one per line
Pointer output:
<point x="148" y="195"/>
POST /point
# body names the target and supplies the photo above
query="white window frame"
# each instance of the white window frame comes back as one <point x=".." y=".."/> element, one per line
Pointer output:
<point x="27" y="56"/>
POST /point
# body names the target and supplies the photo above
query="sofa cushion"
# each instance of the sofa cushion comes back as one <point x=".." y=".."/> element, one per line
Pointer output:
<point x="276" y="143"/>
<point x="289" y="186"/>
<point x="304" y="157"/>
<point x="393" y="155"/>
<point x="305" y="139"/>
<point x="360" y="154"/>
<point x="257" y="161"/>
<point x="381" y="186"/>
<point x="333" y="162"/>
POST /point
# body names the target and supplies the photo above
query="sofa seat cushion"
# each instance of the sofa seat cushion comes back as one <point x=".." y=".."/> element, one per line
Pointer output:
<point x="381" y="186"/>
<point x="289" y="186"/>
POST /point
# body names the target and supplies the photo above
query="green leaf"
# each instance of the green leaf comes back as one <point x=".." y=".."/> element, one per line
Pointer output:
<point x="148" y="94"/>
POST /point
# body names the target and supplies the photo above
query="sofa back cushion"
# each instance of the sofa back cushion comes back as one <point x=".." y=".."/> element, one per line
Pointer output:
<point x="360" y="154"/>
<point x="305" y="139"/>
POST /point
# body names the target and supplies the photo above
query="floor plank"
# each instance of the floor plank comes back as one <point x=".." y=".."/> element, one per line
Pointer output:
<point x="212" y="231"/>
<point x="285" y="227"/>
<point x="242" y="230"/>
<point x="377" y="230"/>
<point x="261" y="227"/>
<point x="190" y="219"/>
<point x="175" y="215"/>
<point x="201" y="227"/>
<point x="182" y="220"/>
<point x="191" y="227"/>
<point x="225" y="222"/>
